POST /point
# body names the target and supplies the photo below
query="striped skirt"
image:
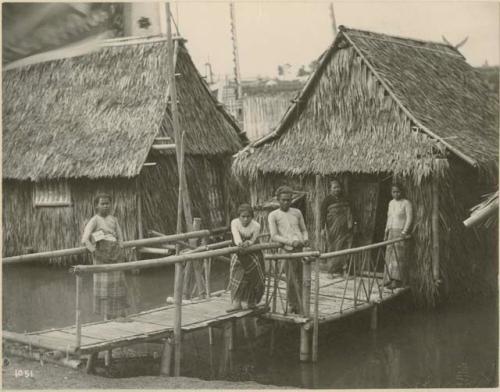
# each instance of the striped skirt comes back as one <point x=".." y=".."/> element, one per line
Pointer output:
<point x="247" y="277"/>
<point x="110" y="294"/>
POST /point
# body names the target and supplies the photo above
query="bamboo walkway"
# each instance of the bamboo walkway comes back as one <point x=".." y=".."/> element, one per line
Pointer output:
<point x="149" y="325"/>
<point x="156" y="324"/>
<point x="336" y="298"/>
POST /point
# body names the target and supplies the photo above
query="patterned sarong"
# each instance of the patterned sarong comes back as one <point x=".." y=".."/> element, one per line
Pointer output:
<point x="339" y="234"/>
<point x="110" y="295"/>
<point x="396" y="256"/>
<point x="247" y="277"/>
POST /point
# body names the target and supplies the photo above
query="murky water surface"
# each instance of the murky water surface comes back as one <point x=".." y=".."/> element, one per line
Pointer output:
<point x="456" y="346"/>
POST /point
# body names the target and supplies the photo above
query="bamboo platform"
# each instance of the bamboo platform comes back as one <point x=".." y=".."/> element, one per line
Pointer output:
<point x="149" y="325"/>
<point x="333" y="302"/>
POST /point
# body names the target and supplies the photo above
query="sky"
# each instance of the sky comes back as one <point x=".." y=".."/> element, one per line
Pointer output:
<point x="271" y="33"/>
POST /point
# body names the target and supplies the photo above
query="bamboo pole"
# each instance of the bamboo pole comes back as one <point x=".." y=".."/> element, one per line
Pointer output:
<point x="435" y="228"/>
<point x="166" y="358"/>
<point x="78" y="306"/>
<point x="479" y="216"/>
<point x="193" y="269"/>
<point x="361" y="248"/>
<point x="317" y="230"/>
<point x="290" y="256"/>
<point x="374" y="318"/>
<point x="206" y="268"/>
<point x="182" y="206"/>
<point x="82" y="249"/>
<point x="306" y="296"/>
<point x="140" y="228"/>
<point x="151" y="263"/>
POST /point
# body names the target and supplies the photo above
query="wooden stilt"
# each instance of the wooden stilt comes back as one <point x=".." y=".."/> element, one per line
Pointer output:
<point x="210" y="336"/>
<point x="166" y="358"/>
<point x="90" y="366"/>
<point x="179" y="274"/>
<point x="435" y="228"/>
<point x="273" y="339"/>
<point x="317" y="231"/>
<point x="374" y="318"/>
<point x="78" y="320"/>
<point x="108" y="355"/>
<point x="305" y="346"/>
<point x="230" y="334"/>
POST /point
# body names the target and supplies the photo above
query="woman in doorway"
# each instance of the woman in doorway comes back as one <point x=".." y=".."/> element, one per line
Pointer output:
<point x="247" y="268"/>
<point x="399" y="220"/>
<point x="338" y="223"/>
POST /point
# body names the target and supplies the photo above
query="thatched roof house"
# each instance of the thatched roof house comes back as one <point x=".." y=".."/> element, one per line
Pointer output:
<point x="77" y="125"/>
<point x="380" y="107"/>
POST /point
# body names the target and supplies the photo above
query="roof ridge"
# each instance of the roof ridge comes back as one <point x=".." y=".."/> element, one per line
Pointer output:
<point x="396" y="37"/>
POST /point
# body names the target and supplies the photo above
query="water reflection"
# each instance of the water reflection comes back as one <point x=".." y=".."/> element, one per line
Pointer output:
<point x="455" y="346"/>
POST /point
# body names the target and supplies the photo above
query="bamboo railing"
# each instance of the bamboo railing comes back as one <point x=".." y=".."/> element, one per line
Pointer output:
<point x="362" y="267"/>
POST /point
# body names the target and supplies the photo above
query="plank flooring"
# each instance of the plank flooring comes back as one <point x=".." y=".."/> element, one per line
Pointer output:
<point x="159" y="323"/>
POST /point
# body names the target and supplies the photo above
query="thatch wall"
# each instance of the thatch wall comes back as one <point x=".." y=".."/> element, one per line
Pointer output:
<point x="50" y="228"/>
<point x="466" y="263"/>
<point x="261" y="113"/>
<point x="159" y="197"/>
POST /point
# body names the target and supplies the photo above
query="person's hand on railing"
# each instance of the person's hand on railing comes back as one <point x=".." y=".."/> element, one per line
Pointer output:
<point x="405" y="235"/>
<point x="90" y="246"/>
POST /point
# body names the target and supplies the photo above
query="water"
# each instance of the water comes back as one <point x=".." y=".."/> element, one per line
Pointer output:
<point x="456" y="346"/>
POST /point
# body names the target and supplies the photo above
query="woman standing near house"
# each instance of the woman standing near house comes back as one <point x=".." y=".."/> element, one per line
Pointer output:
<point x="104" y="239"/>
<point x="247" y="268"/>
<point x="338" y="224"/>
<point x="399" y="220"/>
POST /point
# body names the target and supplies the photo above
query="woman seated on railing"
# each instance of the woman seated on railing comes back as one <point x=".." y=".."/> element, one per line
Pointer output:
<point x="399" y="220"/>
<point x="247" y="268"/>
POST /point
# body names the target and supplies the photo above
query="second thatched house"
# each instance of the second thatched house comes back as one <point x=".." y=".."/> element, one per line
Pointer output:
<point x="380" y="108"/>
<point x="77" y="126"/>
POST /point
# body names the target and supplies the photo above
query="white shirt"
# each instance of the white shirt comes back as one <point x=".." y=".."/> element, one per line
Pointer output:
<point x="244" y="233"/>
<point x="399" y="215"/>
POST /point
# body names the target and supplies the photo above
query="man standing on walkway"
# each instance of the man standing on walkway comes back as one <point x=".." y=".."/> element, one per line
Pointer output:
<point x="287" y="226"/>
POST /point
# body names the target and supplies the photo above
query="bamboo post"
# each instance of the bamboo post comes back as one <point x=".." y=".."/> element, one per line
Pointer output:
<point x="140" y="228"/>
<point x="183" y="200"/>
<point x="435" y="228"/>
<point x="317" y="229"/>
<point x="230" y="335"/>
<point x="191" y="269"/>
<point x="374" y="318"/>
<point x="178" y="318"/>
<point x="306" y="296"/>
<point x="166" y="358"/>
<point x="78" y="305"/>
<point x="206" y="269"/>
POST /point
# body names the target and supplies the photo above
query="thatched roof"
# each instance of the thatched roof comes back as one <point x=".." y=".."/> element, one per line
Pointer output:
<point x="97" y="115"/>
<point x="380" y="103"/>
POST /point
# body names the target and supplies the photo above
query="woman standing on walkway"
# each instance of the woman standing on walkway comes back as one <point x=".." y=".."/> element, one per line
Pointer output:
<point x="338" y="223"/>
<point x="104" y="239"/>
<point x="399" y="220"/>
<point x="247" y="268"/>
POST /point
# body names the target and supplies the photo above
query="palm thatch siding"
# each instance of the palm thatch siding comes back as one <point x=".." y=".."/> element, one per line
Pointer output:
<point x="91" y="120"/>
<point x="388" y="107"/>
<point x="261" y="113"/>
<point x="206" y="179"/>
<point x="39" y="229"/>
